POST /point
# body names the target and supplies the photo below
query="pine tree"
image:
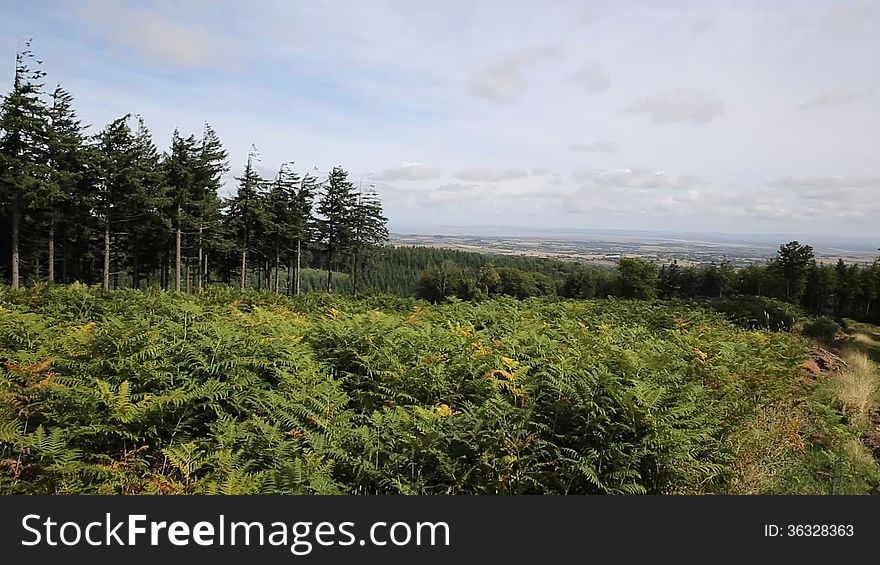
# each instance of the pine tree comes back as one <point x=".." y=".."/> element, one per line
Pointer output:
<point x="370" y="229"/>
<point x="128" y="187"/>
<point x="23" y="133"/>
<point x="146" y="224"/>
<point x="794" y="259"/>
<point x="211" y="166"/>
<point x="304" y="225"/>
<point x="282" y="221"/>
<point x="67" y="163"/>
<point x="245" y="210"/>
<point x="180" y="178"/>
<point x="336" y="218"/>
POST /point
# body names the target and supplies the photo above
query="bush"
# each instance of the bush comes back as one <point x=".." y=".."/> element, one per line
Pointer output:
<point x="824" y="329"/>
<point x="756" y="312"/>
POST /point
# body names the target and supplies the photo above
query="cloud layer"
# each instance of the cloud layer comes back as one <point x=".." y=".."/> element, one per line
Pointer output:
<point x="759" y="117"/>
<point x="679" y="105"/>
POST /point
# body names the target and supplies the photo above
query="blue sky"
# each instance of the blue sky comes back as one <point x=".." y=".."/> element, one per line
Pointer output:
<point x="686" y="116"/>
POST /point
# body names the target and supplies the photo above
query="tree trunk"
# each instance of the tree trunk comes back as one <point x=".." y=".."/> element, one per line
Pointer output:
<point x="177" y="252"/>
<point x="329" y="269"/>
<point x="277" y="268"/>
<point x="51" y="274"/>
<point x="354" y="271"/>
<point x="201" y="273"/>
<point x="135" y="268"/>
<point x="188" y="279"/>
<point x="297" y="276"/>
<point x="207" y="278"/>
<point x="166" y="266"/>
<point x="289" y="289"/>
<point x="106" y="281"/>
<point x="64" y="254"/>
<point x="16" y="220"/>
<point x="243" y="266"/>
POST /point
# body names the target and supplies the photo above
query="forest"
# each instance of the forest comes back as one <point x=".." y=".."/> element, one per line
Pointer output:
<point x="109" y="208"/>
<point x="160" y="337"/>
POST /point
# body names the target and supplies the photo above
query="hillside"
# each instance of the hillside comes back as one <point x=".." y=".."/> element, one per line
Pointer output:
<point x="230" y="392"/>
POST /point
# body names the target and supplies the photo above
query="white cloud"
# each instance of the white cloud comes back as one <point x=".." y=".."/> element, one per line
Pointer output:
<point x="836" y="194"/>
<point x="504" y="80"/>
<point x="490" y="175"/>
<point x="400" y="79"/>
<point x="159" y="40"/>
<point x="832" y="98"/>
<point x="829" y="182"/>
<point x="679" y="105"/>
<point x="594" y="147"/>
<point x="591" y="78"/>
<point x="408" y="170"/>
<point x="634" y="178"/>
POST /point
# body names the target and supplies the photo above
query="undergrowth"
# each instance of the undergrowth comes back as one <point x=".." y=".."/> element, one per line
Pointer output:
<point x="230" y="392"/>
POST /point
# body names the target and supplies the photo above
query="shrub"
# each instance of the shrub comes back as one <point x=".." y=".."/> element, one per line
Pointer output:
<point x="824" y="328"/>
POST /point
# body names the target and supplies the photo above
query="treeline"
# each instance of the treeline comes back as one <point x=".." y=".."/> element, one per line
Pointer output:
<point x="793" y="276"/>
<point x="111" y="208"/>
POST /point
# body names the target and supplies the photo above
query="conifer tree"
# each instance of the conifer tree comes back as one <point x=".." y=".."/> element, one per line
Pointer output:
<point x="335" y="223"/>
<point x="23" y="133"/>
<point x="146" y="224"/>
<point x="281" y="216"/>
<point x="114" y="153"/>
<point x="369" y="229"/>
<point x="66" y="160"/>
<point x="212" y="164"/>
<point x="245" y="211"/>
<point x="181" y="177"/>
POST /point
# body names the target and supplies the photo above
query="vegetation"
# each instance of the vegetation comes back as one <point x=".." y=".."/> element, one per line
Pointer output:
<point x="238" y="392"/>
<point x="483" y="374"/>
<point x="126" y="215"/>
<point x="769" y="295"/>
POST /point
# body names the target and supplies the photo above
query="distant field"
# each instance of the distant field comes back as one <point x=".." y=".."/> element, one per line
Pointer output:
<point x="608" y="251"/>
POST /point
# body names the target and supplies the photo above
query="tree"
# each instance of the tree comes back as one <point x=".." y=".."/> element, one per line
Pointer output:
<point x="439" y="281"/>
<point x="669" y="280"/>
<point x="212" y="164"/>
<point x="23" y="134"/>
<point x="869" y="286"/>
<point x="65" y="171"/>
<point x="181" y="177"/>
<point x="821" y="281"/>
<point x="144" y="220"/>
<point x="115" y="148"/>
<point x="727" y="278"/>
<point x="282" y="221"/>
<point x="304" y="226"/>
<point x="335" y="223"/>
<point x="637" y="278"/>
<point x="794" y="259"/>
<point x="245" y="209"/>
<point x="370" y="229"/>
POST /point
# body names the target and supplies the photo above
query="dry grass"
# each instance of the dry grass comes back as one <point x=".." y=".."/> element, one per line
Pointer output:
<point x="865" y="339"/>
<point x="858" y="453"/>
<point x="764" y="447"/>
<point x="856" y="388"/>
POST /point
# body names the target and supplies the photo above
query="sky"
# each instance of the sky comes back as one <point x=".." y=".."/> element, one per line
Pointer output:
<point x="738" y="117"/>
